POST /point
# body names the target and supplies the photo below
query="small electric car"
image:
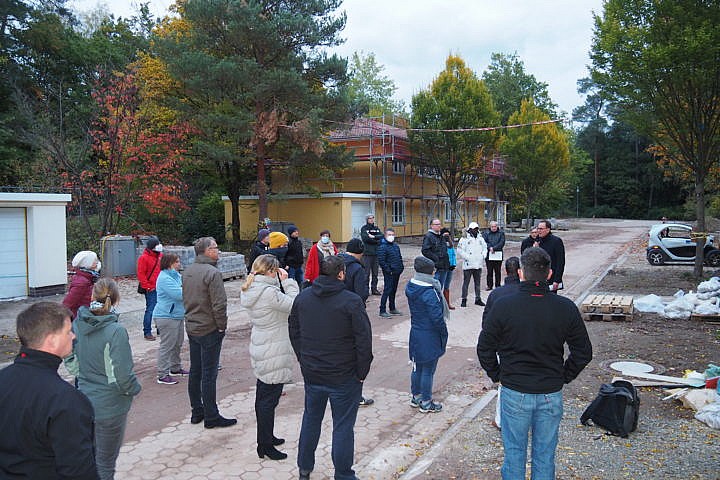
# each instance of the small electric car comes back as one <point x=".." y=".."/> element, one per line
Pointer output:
<point x="673" y="243"/>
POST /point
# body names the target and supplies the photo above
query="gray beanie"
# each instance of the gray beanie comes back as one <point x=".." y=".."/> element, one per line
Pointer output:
<point x="424" y="265"/>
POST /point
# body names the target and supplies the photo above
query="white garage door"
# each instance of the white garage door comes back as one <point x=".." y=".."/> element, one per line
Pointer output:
<point x="13" y="261"/>
<point x="359" y="210"/>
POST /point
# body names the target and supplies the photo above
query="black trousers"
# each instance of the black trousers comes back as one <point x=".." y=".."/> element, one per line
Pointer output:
<point x="267" y="397"/>
<point x="371" y="270"/>
<point x="475" y="273"/>
<point x="493" y="267"/>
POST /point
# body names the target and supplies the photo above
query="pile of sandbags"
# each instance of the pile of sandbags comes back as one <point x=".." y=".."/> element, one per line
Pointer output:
<point x="705" y="302"/>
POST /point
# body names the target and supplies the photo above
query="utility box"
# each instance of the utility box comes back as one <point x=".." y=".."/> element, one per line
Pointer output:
<point x="117" y="254"/>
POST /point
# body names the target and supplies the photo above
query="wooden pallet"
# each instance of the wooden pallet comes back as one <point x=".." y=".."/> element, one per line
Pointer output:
<point x="714" y="319"/>
<point x="613" y="304"/>
<point x="608" y="317"/>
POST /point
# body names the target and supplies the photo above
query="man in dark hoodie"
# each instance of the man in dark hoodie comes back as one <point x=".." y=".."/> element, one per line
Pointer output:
<point x="522" y="345"/>
<point x="356" y="281"/>
<point x="295" y="256"/>
<point x="331" y="335"/>
<point x="46" y="425"/>
<point x="555" y="247"/>
<point x="371" y="236"/>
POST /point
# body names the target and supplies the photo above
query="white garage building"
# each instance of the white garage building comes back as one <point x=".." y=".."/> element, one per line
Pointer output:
<point x="33" y="242"/>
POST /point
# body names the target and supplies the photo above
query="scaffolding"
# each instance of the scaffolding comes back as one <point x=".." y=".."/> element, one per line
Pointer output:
<point x="383" y="143"/>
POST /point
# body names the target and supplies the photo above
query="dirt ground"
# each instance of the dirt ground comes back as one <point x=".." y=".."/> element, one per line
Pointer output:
<point x="669" y="442"/>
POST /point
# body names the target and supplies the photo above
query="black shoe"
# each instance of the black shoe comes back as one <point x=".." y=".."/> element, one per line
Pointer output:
<point x="305" y="474"/>
<point x="366" y="402"/>
<point x="376" y="292"/>
<point x="197" y="418"/>
<point x="488" y="289"/>
<point x="395" y="312"/>
<point x="277" y="441"/>
<point x="463" y="302"/>
<point x="478" y="301"/>
<point x="271" y="452"/>
<point x="220" y="422"/>
<point x="385" y="315"/>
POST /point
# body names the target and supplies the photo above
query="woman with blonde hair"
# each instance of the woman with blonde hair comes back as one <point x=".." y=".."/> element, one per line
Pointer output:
<point x="103" y="365"/>
<point x="268" y="296"/>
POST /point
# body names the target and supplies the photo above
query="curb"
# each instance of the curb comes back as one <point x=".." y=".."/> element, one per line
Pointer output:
<point x="423" y="462"/>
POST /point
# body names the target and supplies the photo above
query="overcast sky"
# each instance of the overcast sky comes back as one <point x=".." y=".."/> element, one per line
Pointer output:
<point x="412" y="38"/>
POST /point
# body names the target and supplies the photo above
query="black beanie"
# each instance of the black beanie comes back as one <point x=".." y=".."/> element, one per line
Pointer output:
<point x="292" y="229"/>
<point x="424" y="265"/>
<point x="355" y="245"/>
<point x="152" y="242"/>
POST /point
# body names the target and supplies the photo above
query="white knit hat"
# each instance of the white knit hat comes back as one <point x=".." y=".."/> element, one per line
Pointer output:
<point x="84" y="259"/>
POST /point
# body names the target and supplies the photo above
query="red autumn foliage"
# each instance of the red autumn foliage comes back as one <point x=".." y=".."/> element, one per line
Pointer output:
<point x="135" y="164"/>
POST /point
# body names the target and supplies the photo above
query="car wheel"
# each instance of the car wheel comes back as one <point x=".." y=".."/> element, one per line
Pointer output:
<point x="656" y="257"/>
<point x="712" y="259"/>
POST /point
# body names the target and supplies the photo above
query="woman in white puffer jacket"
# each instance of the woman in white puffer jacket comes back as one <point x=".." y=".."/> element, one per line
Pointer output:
<point x="268" y="296"/>
<point x="472" y="249"/>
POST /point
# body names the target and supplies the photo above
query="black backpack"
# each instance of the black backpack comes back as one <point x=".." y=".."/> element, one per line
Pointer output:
<point x="616" y="408"/>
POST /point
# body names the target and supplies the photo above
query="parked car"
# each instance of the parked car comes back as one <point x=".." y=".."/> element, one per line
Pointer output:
<point x="674" y="242"/>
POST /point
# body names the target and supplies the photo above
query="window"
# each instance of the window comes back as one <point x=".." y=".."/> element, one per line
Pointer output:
<point x="398" y="212"/>
<point x="398" y="166"/>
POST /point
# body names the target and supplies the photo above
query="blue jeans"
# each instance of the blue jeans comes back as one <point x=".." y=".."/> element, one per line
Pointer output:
<point x="109" y="433"/>
<point x="421" y="379"/>
<point x="390" y="285"/>
<point x="150" y="301"/>
<point x="296" y="274"/>
<point x="444" y="277"/>
<point x="204" y="360"/>
<point x="344" y="403"/>
<point x="520" y="414"/>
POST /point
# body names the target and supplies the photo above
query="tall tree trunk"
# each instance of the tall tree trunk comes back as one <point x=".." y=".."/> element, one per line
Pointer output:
<point x="700" y="210"/>
<point x="261" y="183"/>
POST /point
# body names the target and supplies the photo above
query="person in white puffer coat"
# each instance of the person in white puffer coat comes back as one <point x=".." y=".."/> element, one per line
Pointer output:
<point x="472" y="249"/>
<point x="268" y="296"/>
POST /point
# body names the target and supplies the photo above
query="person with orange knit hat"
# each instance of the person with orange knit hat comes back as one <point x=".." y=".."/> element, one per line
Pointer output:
<point x="278" y="247"/>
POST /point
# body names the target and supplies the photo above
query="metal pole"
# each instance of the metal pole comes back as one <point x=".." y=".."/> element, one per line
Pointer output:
<point x="577" y="201"/>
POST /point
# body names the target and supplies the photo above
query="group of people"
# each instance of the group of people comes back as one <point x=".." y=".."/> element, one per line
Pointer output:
<point x="323" y="327"/>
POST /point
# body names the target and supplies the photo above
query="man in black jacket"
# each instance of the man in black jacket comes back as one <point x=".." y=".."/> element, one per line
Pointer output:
<point x="356" y="281"/>
<point x="434" y="248"/>
<point x="331" y="335"/>
<point x="556" y="249"/>
<point x="371" y="236"/>
<point x="528" y="331"/>
<point x="295" y="256"/>
<point x="495" y="239"/>
<point x="46" y="425"/>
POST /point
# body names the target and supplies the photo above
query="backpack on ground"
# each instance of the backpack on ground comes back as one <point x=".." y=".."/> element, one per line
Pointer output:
<point x="616" y="408"/>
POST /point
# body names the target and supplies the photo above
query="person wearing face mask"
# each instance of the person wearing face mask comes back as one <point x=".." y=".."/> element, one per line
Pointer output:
<point x="391" y="263"/>
<point x="148" y="269"/>
<point x="324" y="248"/>
<point x="472" y="249"/>
<point x="87" y="271"/>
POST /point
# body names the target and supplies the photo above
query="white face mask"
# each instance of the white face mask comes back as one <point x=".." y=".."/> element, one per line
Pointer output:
<point x="98" y="266"/>
<point x="390" y="238"/>
<point x="158" y="247"/>
<point x="325" y="240"/>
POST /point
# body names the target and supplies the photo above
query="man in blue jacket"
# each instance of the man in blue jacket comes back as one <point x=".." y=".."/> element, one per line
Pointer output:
<point x="391" y="263"/>
<point x="331" y="335"/>
<point x="528" y="332"/>
<point x="46" y="425"/>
